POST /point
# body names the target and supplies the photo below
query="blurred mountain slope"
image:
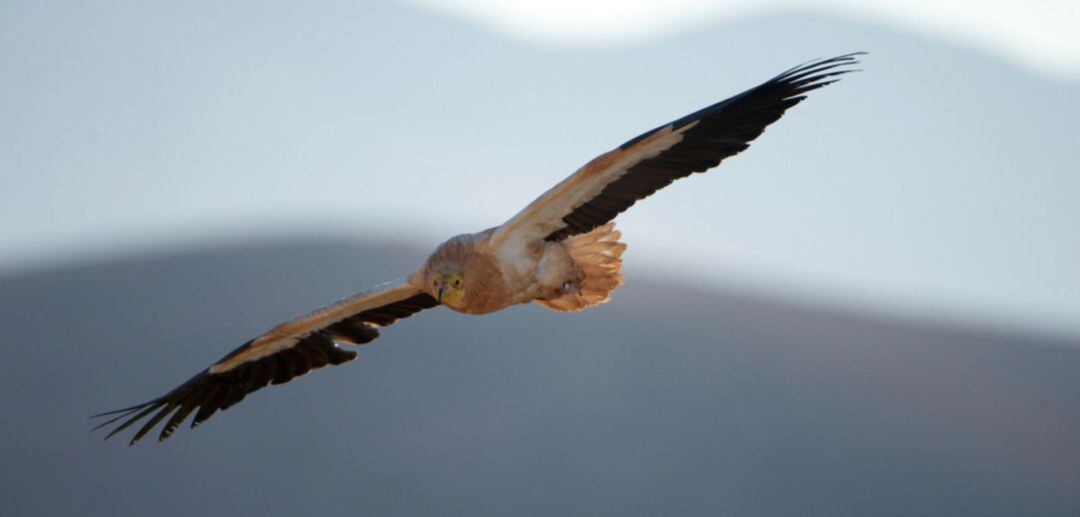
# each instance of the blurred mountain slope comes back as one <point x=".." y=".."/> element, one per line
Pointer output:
<point x="669" y="400"/>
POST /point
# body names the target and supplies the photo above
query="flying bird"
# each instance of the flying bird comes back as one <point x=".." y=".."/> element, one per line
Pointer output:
<point x="561" y="251"/>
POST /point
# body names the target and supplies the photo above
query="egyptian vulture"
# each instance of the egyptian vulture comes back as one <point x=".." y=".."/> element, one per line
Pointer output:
<point x="561" y="251"/>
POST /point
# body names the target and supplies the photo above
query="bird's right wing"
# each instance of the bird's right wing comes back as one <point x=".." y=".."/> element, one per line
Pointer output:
<point x="288" y="350"/>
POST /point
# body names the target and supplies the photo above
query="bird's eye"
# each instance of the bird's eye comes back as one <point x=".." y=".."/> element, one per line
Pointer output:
<point x="457" y="283"/>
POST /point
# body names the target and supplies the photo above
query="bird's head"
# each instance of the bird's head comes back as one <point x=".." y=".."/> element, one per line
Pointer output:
<point x="448" y="287"/>
<point x="444" y="272"/>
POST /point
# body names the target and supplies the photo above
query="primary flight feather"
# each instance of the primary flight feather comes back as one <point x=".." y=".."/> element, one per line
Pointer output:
<point x="561" y="251"/>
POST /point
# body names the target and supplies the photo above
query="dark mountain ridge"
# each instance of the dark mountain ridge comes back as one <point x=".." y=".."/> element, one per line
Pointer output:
<point x="667" y="400"/>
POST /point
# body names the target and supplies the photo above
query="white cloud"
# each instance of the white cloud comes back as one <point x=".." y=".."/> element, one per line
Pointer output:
<point x="1039" y="34"/>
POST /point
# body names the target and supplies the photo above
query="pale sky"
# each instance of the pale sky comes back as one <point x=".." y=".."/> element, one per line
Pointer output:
<point x="1043" y="35"/>
<point x="938" y="183"/>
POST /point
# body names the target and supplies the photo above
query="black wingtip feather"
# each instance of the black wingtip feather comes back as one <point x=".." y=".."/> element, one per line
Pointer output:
<point x="187" y="405"/>
<point x="127" y="423"/>
<point x="126" y="411"/>
<point x="115" y="411"/>
<point x="152" y="422"/>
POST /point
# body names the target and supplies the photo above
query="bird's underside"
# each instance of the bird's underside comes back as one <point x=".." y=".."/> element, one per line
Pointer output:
<point x="561" y="251"/>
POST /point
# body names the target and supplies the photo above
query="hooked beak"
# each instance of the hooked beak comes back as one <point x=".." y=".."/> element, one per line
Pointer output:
<point x="442" y="288"/>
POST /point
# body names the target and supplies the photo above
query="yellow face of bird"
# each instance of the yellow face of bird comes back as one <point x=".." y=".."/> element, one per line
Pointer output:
<point x="448" y="288"/>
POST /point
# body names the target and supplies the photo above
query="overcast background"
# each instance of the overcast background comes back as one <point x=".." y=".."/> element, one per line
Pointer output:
<point x="175" y="178"/>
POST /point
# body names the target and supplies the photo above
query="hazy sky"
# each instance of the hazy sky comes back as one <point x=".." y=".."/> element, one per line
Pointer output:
<point x="940" y="181"/>
<point x="1040" y="34"/>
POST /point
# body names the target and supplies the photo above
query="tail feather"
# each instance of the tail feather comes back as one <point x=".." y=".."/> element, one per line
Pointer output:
<point x="597" y="256"/>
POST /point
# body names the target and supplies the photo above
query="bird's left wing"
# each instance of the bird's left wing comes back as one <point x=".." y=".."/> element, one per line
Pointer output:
<point x="288" y="350"/>
<point x="611" y="183"/>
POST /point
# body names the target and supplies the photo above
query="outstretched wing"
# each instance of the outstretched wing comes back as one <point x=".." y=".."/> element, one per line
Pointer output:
<point x="611" y="183"/>
<point x="289" y="350"/>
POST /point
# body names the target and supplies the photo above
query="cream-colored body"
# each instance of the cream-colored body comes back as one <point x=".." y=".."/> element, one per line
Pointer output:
<point x="567" y="275"/>
<point x="513" y="263"/>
